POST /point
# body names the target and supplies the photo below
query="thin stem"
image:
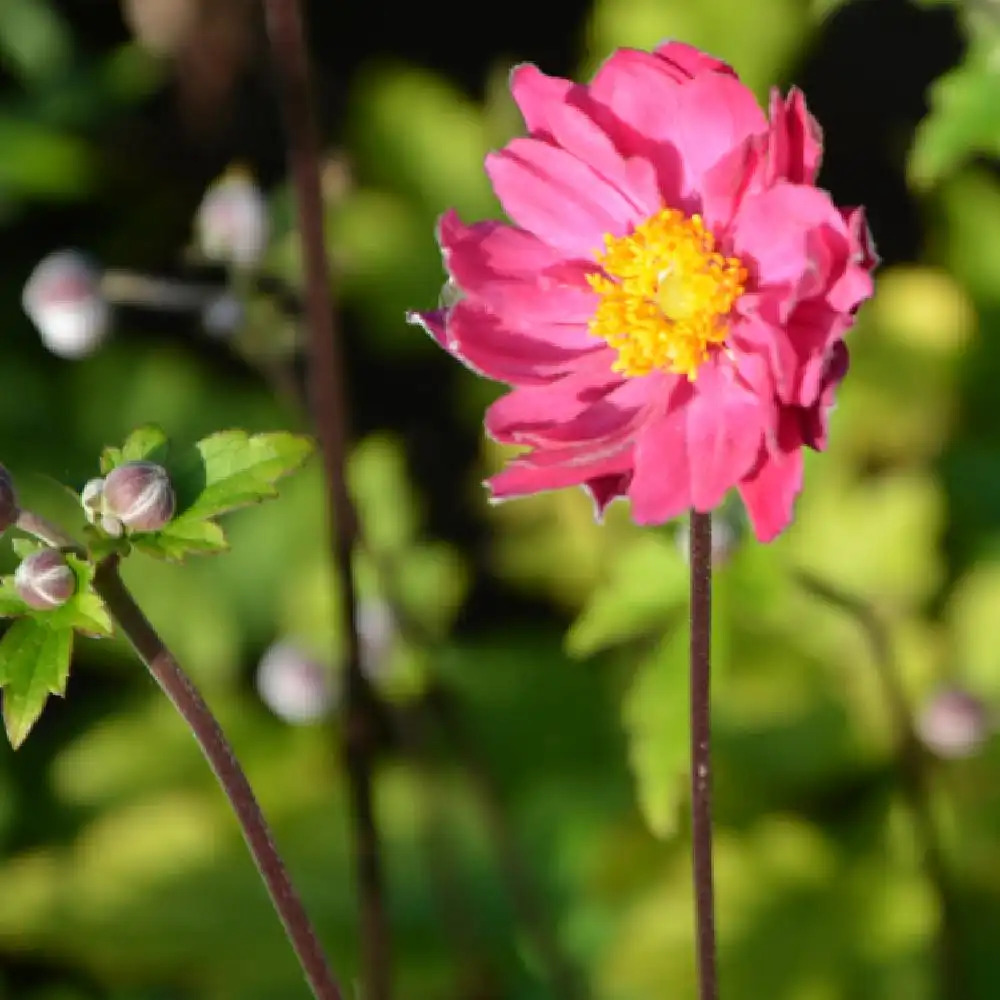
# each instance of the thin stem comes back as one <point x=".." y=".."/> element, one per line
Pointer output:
<point x="701" y="753"/>
<point x="45" y="531"/>
<point x="913" y="769"/>
<point x="328" y="400"/>
<point x="182" y="693"/>
<point x="564" y="983"/>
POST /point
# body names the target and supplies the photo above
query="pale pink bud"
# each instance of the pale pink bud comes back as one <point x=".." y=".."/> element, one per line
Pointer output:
<point x="293" y="686"/>
<point x="63" y="299"/>
<point x="139" y="496"/>
<point x="44" y="580"/>
<point x="954" y="723"/>
<point x="232" y="223"/>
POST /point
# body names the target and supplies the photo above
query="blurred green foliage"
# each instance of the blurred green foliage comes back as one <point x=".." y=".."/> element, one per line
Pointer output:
<point x="548" y="830"/>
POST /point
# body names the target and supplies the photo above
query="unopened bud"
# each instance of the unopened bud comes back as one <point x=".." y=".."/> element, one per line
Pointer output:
<point x="139" y="496"/>
<point x="44" y="580"/>
<point x="954" y="723"/>
<point x="294" y="686"/>
<point x="63" y="299"/>
<point x="9" y="510"/>
<point x="91" y="499"/>
<point x="232" y="224"/>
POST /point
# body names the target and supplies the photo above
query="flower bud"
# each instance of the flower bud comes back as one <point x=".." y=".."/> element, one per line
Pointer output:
<point x="63" y="299"/>
<point x="232" y="223"/>
<point x="44" y="580"/>
<point x="92" y="498"/>
<point x="293" y="686"/>
<point x="954" y="723"/>
<point x="139" y="496"/>
<point x="9" y="510"/>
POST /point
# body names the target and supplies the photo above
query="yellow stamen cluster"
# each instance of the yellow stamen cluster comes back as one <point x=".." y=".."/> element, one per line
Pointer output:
<point x="666" y="295"/>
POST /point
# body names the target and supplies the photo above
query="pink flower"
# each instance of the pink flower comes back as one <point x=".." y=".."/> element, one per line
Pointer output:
<point x="670" y="303"/>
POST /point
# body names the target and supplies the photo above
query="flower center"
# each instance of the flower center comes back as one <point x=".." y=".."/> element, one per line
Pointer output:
<point x="666" y="295"/>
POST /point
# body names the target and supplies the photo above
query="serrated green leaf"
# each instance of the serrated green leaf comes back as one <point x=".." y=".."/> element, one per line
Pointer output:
<point x="24" y="547"/>
<point x="11" y="605"/>
<point x="645" y="585"/>
<point x="147" y="443"/>
<point x="232" y="469"/>
<point x="655" y="715"/>
<point x="34" y="663"/>
<point x="111" y="457"/>
<point x="183" y="537"/>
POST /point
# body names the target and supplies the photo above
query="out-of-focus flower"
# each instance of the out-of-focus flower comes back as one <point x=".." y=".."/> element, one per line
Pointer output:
<point x="377" y="635"/>
<point x="671" y="301"/>
<point x="954" y="723"/>
<point x="728" y="530"/>
<point x="44" y="580"/>
<point x="232" y="222"/>
<point x="9" y="508"/>
<point x="294" y="686"/>
<point x="63" y="299"/>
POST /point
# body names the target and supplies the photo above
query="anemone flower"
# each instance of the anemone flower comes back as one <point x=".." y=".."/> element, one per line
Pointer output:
<point x="670" y="300"/>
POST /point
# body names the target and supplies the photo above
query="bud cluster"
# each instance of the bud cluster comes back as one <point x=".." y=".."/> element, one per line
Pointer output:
<point x="135" y="496"/>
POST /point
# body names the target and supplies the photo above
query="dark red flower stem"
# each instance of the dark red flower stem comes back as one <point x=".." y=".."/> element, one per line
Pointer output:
<point x="327" y="396"/>
<point x="701" y="753"/>
<point x="179" y="688"/>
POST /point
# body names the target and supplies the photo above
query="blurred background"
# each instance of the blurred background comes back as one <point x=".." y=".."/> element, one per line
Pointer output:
<point x="532" y="803"/>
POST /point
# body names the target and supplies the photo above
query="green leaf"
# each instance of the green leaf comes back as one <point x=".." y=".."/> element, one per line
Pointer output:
<point x="964" y="120"/>
<point x="646" y="585"/>
<point x="24" y="547"/>
<point x="11" y="605"/>
<point x="182" y="537"/>
<point x="232" y="469"/>
<point x="148" y="443"/>
<point x="218" y="474"/>
<point x="34" y="663"/>
<point x="655" y="714"/>
<point x="84" y="611"/>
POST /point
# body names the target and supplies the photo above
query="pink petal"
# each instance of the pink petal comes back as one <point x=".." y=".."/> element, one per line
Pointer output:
<point x="604" y="490"/>
<point x="561" y="200"/>
<point x="814" y="421"/>
<point x="610" y="419"/>
<point x="534" y="408"/>
<point x="737" y="174"/>
<point x="489" y="346"/>
<point x="433" y="323"/>
<point x="686" y="62"/>
<point x="516" y="275"/>
<point x="713" y="115"/>
<point x="491" y="250"/>
<point x="563" y="113"/>
<point x="521" y="478"/>
<point x="795" y="141"/>
<point x="784" y="234"/>
<point x="769" y="492"/>
<point x="698" y="449"/>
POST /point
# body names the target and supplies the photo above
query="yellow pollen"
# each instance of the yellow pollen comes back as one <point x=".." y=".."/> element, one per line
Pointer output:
<point x="666" y="295"/>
